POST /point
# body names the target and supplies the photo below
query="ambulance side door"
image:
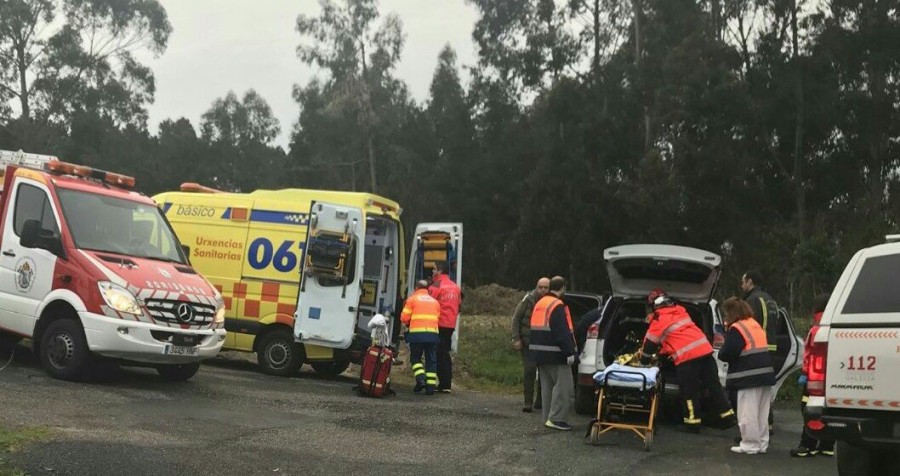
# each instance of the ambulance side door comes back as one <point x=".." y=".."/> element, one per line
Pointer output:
<point x="331" y="280"/>
<point x="423" y="252"/>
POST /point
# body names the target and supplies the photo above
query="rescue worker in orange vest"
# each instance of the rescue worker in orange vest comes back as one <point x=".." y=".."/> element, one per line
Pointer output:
<point x="420" y="315"/>
<point x="749" y="373"/>
<point x="552" y="347"/>
<point x="673" y="333"/>
<point x="447" y="293"/>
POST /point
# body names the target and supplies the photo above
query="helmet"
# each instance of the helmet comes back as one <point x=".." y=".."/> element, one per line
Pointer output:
<point x="658" y="298"/>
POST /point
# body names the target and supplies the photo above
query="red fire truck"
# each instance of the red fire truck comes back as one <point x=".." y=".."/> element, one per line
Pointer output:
<point x="90" y="270"/>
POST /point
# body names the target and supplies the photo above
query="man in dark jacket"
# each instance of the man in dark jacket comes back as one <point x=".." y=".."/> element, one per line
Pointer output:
<point x="765" y="311"/>
<point x="552" y="347"/>
<point x="764" y="307"/>
<point x="521" y="328"/>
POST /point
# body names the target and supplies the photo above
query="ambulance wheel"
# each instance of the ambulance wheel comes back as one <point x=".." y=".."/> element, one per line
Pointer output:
<point x="278" y="354"/>
<point x="64" y="351"/>
<point x="331" y="369"/>
<point x="648" y="440"/>
<point x="178" y="372"/>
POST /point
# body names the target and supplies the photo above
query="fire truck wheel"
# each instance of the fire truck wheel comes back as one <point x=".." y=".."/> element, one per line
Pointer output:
<point x="330" y="369"/>
<point x="64" y="350"/>
<point x="178" y="372"/>
<point x="278" y="354"/>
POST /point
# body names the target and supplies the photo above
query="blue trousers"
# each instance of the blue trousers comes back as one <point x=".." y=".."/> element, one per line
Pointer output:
<point x="426" y="375"/>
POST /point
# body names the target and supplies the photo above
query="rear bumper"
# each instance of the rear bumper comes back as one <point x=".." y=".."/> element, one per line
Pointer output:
<point x="875" y="429"/>
<point x="133" y="341"/>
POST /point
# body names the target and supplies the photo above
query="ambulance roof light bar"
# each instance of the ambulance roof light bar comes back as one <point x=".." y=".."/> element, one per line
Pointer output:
<point x="197" y="188"/>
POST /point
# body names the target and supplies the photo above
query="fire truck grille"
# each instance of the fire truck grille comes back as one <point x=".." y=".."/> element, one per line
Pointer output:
<point x="180" y="312"/>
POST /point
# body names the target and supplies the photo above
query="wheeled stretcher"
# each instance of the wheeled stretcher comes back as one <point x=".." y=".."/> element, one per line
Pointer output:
<point x="624" y="394"/>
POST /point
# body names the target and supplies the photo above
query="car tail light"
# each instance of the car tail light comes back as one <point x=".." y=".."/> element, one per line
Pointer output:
<point x="594" y="331"/>
<point x="815" y="378"/>
<point x="815" y="425"/>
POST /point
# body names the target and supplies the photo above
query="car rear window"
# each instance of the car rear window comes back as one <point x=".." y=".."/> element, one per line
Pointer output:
<point x="660" y="269"/>
<point x="877" y="289"/>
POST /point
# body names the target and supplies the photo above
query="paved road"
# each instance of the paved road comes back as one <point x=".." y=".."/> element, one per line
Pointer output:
<point x="232" y="420"/>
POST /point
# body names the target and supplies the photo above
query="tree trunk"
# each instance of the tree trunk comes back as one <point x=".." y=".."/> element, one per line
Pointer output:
<point x="22" y="67"/>
<point x="596" y="63"/>
<point x="799" y="177"/>
<point x="367" y="112"/>
<point x="638" y="9"/>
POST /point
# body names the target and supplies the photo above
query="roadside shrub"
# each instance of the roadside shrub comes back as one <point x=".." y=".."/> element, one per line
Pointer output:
<point x="491" y="300"/>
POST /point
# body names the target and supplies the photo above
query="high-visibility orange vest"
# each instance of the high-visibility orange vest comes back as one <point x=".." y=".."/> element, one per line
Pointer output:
<point x="540" y="316"/>
<point x="673" y="329"/>
<point x="754" y="366"/>
<point x="420" y="314"/>
<point x="540" y="338"/>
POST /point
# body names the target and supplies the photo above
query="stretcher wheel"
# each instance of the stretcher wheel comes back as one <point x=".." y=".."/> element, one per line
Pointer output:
<point x="595" y="434"/>
<point x="648" y="440"/>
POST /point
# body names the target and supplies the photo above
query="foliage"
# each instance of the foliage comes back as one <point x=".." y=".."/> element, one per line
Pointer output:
<point x="763" y="130"/>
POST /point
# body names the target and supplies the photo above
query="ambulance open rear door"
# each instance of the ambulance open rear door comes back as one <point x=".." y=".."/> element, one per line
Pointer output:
<point x="436" y="242"/>
<point x="330" y="283"/>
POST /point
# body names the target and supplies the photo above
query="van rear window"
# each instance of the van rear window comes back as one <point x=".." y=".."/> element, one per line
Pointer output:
<point x="877" y="289"/>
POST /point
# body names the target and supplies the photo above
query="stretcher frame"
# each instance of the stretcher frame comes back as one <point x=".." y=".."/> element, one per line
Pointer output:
<point x="612" y="397"/>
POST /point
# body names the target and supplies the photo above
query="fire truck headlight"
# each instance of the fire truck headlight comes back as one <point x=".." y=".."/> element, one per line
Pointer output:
<point x="119" y="298"/>
<point x="220" y="315"/>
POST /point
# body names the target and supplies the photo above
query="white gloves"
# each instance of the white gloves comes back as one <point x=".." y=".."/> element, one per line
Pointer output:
<point x="570" y="360"/>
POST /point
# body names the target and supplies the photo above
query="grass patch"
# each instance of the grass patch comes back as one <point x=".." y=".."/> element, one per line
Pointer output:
<point x="12" y="440"/>
<point x="486" y="360"/>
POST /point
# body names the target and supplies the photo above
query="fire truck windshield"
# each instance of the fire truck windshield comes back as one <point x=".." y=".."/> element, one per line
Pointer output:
<point x="103" y="223"/>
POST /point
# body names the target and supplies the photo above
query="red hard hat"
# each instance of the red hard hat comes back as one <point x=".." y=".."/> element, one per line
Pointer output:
<point x="654" y="295"/>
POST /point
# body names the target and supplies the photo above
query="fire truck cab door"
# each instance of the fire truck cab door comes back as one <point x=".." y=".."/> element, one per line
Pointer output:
<point x="436" y="242"/>
<point x="26" y="274"/>
<point x="331" y="279"/>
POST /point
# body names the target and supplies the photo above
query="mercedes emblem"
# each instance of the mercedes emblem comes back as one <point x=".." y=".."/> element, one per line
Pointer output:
<point x="185" y="313"/>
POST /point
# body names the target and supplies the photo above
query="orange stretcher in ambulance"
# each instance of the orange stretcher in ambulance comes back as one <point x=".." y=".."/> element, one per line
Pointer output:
<point x="303" y="271"/>
<point x="91" y="269"/>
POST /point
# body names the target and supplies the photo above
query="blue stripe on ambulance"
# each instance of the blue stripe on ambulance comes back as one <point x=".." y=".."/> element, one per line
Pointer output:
<point x="271" y="216"/>
<point x="165" y="207"/>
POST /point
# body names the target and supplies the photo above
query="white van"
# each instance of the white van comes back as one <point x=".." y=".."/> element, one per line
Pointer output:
<point x="852" y="380"/>
<point x="690" y="276"/>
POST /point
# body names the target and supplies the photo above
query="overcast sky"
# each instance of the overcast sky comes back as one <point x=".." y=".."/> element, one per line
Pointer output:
<point x="222" y="45"/>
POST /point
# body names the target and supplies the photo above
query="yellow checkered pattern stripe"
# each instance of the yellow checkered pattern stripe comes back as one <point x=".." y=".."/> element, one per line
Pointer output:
<point x="253" y="300"/>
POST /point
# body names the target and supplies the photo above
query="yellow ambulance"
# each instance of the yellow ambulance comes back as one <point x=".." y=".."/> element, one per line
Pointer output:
<point x="303" y="271"/>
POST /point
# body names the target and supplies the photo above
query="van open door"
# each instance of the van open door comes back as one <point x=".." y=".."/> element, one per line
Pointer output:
<point x="330" y="283"/>
<point x="436" y="242"/>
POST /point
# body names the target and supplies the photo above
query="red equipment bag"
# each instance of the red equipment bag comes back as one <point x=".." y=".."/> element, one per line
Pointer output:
<point x="375" y="376"/>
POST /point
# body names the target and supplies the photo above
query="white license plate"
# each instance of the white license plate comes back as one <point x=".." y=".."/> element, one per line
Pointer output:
<point x="180" y="350"/>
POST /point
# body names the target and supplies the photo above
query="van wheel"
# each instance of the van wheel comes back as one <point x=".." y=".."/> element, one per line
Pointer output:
<point x="64" y="351"/>
<point x="178" y="372"/>
<point x="330" y="369"/>
<point x="584" y="400"/>
<point x="278" y="354"/>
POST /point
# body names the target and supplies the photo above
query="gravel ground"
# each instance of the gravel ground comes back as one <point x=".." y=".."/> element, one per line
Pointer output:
<point x="230" y="419"/>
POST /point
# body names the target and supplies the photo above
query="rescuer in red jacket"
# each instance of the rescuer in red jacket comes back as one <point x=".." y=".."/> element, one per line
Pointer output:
<point x="447" y="293"/>
<point x="673" y="333"/>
